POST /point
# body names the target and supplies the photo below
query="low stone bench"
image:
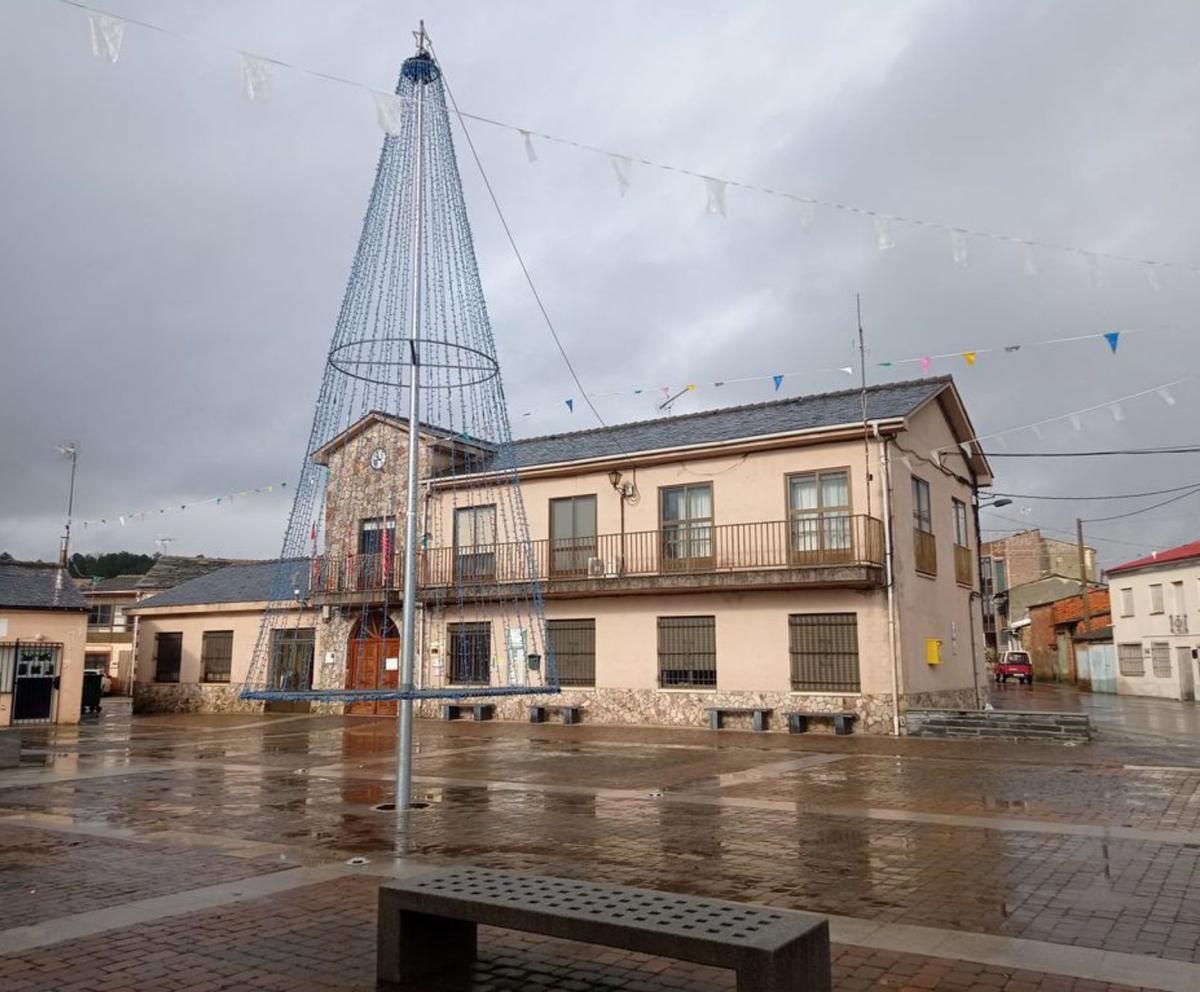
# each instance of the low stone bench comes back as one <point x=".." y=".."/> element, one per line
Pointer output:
<point x="570" y="714"/>
<point x="427" y="926"/>
<point x="843" y="723"/>
<point x="716" y="715"/>
<point x="479" y="711"/>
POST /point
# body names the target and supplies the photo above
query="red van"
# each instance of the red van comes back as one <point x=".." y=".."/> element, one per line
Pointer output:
<point x="1014" y="664"/>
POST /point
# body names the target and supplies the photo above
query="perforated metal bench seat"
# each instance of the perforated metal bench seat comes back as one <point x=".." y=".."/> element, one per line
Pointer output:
<point x="716" y="715"/>
<point x="479" y="711"/>
<point x="427" y="926"/>
<point x="570" y="714"/>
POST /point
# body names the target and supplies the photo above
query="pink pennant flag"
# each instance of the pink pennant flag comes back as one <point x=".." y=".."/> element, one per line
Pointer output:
<point x="925" y="365"/>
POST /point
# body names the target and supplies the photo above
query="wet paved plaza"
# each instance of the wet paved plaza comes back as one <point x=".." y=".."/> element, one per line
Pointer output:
<point x="204" y="853"/>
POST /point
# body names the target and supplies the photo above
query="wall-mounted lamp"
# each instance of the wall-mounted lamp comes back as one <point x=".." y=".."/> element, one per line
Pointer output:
<point x="614" y="477"/>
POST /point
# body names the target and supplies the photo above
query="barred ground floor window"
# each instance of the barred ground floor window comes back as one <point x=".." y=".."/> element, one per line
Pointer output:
<point x="1129" y="659"/>
<point x="1160" y="659"/>
<point x="687" y="652"/>
<point x="216" y="655"/>
<point x="824" y="652"/>
<point x="574" y="645"/>
<point x="470" y="653"/>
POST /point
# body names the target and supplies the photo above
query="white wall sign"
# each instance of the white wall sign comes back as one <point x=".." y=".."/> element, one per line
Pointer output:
<point x="392" y="664"/>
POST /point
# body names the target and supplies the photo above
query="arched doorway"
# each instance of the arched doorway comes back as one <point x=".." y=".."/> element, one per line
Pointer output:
<point x="373" y="661"/>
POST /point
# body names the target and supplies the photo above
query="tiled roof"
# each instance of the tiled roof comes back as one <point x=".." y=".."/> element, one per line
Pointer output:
<point x="1181" y="553"/>
<point x="254" y="582"/>
<point x="36" y="586"/>
<point x="117" y="583"/>
<point x="799" y="413"/>
<point x="170" y="570"/>
<point x="1066" y="610"/>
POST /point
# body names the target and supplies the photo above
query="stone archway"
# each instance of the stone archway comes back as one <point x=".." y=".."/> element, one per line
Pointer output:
<point x="374" y="640"/>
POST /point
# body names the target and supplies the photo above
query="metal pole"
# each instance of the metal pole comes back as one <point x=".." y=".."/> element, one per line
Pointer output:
<point x="405" y="709"/>
<point x="1083" y="591"/>
<point x="889" y="577"/>
<point x="64" y="556"/>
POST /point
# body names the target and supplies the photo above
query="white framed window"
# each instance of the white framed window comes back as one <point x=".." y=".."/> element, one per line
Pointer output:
<point x="1160" y="659"/>
<point x="1178" y="599"/>
<point x="1156" y="598"/>
<point x="1127" y="602"/>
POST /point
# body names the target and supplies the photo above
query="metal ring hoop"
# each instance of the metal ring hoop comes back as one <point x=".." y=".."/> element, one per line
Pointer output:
<point x="351" y="358"/>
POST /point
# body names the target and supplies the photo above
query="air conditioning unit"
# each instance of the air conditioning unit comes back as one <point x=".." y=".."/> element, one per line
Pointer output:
<point x="1179" y="625"/>
<point x="605" y="568"/>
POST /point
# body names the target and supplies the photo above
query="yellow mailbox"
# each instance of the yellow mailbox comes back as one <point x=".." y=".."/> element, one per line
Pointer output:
<point x="933" y="651"/>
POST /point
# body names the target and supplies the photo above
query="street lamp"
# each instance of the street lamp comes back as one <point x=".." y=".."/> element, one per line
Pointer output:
<point x="68" y="449"/>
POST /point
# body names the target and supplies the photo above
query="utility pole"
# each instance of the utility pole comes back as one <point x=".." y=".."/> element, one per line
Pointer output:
<point x="1083" y="588"/>
<point x="69" y="449"/>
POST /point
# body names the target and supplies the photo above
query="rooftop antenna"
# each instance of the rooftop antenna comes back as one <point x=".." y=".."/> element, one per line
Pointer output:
<point x="163" y="542"/>
<point x="862" y="368"/>
<point x="68" y="449"/>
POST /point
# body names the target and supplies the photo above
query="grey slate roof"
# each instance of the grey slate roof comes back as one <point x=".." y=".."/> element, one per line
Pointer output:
<point x="36" y="586"/>
<point x="117" y="583"/>
<point x="253" y="582"/>
<point x="799" y="413"/>
<point x="170" y="570"/>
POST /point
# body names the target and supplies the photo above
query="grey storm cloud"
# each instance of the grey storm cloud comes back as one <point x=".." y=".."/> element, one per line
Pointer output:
<point x="173" y="256"/>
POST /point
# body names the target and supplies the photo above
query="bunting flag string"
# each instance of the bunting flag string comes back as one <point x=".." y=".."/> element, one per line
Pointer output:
<point x="138" y="515"/>
<point x="107" y="35"/>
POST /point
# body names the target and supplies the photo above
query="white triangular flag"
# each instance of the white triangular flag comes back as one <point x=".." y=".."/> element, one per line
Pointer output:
<point x="1152" y="278"/>
<point x="107" y="33"/>
<point x="883" y="234"/>
<point x="847" y="369"/>
<point x="256" y="76"/>
<point x="1031" y="268"/>
<point x="621" y="165"/>
<point x="958" y="248"/>
<point x="1037" y="431"/>
<point x="1165" y="395"/>
<point x="1076" y="422"/>
<point x="1000" y="441"/>
<point x="389" y="109"/>
<point x="530" y="151"/>
<point x="808" y="211"/>
<point x="122" y="519"/>
<point x="1117" y="413"/>
<point x="1095" y="274"/>
<point x="716" y="195"/>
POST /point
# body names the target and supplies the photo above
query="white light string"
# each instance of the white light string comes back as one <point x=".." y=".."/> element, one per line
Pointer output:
<point x="107" y="26"/>
<point x="134" y="516"/>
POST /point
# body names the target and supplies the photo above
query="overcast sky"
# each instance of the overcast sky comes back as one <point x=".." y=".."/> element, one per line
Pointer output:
<point x="172" y="256"/>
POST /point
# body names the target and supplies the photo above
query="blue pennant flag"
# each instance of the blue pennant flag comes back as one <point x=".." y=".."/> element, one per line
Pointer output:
<point x="1112" y="338"/>
<point x="778" y="380"/>
<point x="571" y="405"/>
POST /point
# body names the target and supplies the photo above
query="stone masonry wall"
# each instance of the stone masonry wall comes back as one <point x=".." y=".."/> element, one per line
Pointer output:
<point x="1004" y="725"/>
<point x="191" y="697"/>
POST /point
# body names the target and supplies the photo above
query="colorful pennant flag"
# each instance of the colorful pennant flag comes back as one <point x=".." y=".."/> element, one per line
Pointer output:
<point x="925" y="365"/>
<point x="256" y="76"/>
<point x="107" y="35"/>
<point x="715" y="188"/>
<point x="571" y="405"/>
<point x="778" y="380"/>
<point x="621" y="165"/>
<point x="969" y="356"/>
<point x="1113" y="337"/>
<point x="883" y="234"/>
<point x="958" y="248"/>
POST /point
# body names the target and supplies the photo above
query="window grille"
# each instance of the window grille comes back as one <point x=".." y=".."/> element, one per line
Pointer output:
<point x="470" y="653"/>
<point x="824" y="652"/>
<point x="168" y="649"/>
<point x="216" y="655"/>
<point x="687" y="652"/>
<point x="1160" y="659"/>
<point x="1129" y="659"/>
<point x="574" y="646"/>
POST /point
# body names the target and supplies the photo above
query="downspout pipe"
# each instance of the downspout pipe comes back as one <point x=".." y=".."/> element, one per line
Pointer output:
<point x="889" y="577"/>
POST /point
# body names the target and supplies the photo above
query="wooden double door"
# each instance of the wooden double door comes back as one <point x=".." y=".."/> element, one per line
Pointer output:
<point x="373" y="662"/>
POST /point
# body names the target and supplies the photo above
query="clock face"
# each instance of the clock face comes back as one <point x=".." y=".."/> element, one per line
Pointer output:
<point x="378" y="459"/>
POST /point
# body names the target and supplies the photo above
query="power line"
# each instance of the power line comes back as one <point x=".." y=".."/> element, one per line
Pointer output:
<point x="513" y="243"/>
<point x="1152" y="506"/>
<point x="1186" y="450"/>
<point x="1152" y="492"/>
<point x="1027" y="525"/>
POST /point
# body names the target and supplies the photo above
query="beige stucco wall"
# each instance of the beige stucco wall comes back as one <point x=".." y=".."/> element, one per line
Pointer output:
<point x="244" y="619"/>
<point x="56" y="627"/>
<point x="1146" y="628"/>
<point x="934" y="607"/>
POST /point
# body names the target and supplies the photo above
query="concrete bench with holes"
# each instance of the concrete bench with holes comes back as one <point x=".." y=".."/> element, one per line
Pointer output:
<point x="427" y="927"/>
<point x="843" y="723"/>
<point x="479" y="711"/>
<point x="717" y="714"/>
<point x="570" y="714"/>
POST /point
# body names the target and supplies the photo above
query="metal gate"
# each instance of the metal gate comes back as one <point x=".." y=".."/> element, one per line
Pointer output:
<point x="33" y="669"/>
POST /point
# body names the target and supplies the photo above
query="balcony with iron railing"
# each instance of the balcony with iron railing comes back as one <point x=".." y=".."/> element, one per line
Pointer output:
<point x="834" y="550"/>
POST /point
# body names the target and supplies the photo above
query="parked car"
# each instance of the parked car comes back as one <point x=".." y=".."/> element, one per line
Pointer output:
<point x="1014" y="664"/>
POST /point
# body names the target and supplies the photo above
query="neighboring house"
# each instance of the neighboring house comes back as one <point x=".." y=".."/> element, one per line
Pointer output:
<point x="1156" y="622"/>
<point x="1052" y="633"/>
<point x="196" y="640"/>
<point x="1027" y="556"/>
<point x="777" y="594"/>
<point x="1013" y="606"/>
<point x="112" y="630"/>
<point x="43" y="629"/>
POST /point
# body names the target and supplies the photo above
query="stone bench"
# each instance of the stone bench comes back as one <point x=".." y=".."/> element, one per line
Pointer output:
<point x="427" y="926"/>
<point x="570" y="714"/>
<point x="843" y="723"/>
<point x="479" y="711"/>
<point x="716" y="715"/>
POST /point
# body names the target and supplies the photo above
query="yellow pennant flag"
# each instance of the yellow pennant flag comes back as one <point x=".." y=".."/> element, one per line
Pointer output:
<point x="970" y="357"/>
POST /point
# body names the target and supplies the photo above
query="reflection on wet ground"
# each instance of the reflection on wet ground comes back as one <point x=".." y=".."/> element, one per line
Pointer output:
<point x="128" y="809"/>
